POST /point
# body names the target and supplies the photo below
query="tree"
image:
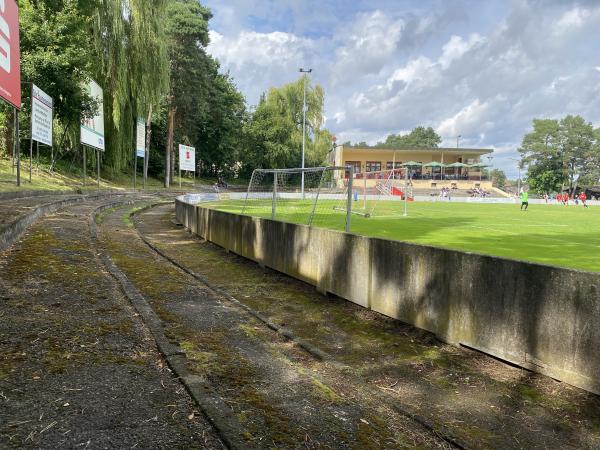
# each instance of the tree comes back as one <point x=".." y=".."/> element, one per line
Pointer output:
<point x="133" y="69"/>
<point x="560" y="153"/>
<point x="57" y="56"/>
<point x="274" y="132"/>
<point x="498" y="178"/>
<point x="187" y="31"/>
<point x="419" y="137"/>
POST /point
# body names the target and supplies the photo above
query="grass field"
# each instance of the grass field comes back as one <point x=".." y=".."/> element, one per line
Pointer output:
<point x="548" y="234"/>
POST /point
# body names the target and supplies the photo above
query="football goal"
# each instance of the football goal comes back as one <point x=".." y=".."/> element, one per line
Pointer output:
<point x="311" y="196"/>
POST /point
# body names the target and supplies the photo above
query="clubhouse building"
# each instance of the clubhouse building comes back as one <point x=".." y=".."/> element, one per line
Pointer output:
<point x="370" y="160"/>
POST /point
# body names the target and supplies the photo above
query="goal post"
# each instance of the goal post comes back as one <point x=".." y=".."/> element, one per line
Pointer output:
<point x="377" y="186"/>
<point x="277" y="194"/>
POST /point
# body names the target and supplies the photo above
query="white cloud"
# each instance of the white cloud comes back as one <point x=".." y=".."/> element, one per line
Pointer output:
<point x="468" y="120"/>
<point x="573" y="18"/>
<point x="456" y="47"/>
<point x="367" y="45"/>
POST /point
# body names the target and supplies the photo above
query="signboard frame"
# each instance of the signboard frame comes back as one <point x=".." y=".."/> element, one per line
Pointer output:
<point x="187" y="160"/>
<point x="42" y="109"/>
<point x="92" y="129"/>
<point x="140" y="147"/>
<point x="10" y="58"/>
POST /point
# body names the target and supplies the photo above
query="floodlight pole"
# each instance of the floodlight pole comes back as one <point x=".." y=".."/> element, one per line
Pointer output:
<point x="519" y="169"/>
<point x="304" y="124"/>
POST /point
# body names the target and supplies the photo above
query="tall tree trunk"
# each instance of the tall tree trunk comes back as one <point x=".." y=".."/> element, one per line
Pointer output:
<point x="169" y="148"/>
<point x="148" y="136"/>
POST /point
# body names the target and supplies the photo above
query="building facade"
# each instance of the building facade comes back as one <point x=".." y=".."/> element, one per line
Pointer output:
<point x="368" y="161"/>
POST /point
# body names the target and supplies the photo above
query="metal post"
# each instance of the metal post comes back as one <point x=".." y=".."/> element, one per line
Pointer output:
<point x="310" y="219"/>
<point x="274" y="202"/>
<point x="98" y="167"/>
<point x="17" y="147"/>
<point x="304" y="124"/>
<point x="144" y="170"/>
<point x="303" y="132"/>
<point x="134" y="167"/>
<point x="349" y="201"/>
<point x="405" y="191"/>
<point x="84" y="164"/>
<point x="30" y="157"/>
<point x="365" y="192"/>
<point x="37" y="158"/>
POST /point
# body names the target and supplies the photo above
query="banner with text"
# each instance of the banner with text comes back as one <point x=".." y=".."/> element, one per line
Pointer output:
<point x="10" y="64"/>
<point x="140" y="138"/>
<point x="187" y="158"/>
<point x="92" y="129"/>
<point x="41" y="116"/>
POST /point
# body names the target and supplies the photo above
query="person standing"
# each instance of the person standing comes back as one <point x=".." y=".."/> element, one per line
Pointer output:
<point x="524" y="200"/>
<point x="583" y="199"/>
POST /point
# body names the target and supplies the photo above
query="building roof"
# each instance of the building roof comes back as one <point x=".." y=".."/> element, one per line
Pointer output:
<point x="460" y="150"/>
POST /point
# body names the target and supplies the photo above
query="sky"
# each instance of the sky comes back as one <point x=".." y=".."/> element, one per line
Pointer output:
<point x="481" y="69"/>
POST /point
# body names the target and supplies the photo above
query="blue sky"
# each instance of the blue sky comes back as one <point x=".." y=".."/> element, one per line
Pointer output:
<point x="481" y="69"/>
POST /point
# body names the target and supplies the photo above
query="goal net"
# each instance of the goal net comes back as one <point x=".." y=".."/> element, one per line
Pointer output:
<point x="317" y="196"/>
<point x="371" y="188"/>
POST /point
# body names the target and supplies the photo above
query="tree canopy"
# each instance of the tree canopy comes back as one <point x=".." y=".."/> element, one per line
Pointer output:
<point x="419" y="137"/>
<point x="561" y="154"/>
<point x="274" y="132"/>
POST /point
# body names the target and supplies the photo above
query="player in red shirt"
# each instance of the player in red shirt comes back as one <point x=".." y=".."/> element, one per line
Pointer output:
<point x="583" y="198"/>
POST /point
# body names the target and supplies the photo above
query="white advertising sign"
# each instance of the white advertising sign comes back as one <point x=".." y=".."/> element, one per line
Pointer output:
<point x="140" y="138"/>
<point x="41" y="116"/>
<point x="92" y="130"/>
<point x="187" y="158"/>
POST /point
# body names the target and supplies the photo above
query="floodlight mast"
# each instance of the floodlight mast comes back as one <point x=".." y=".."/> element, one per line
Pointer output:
<point x="304" y="123"/>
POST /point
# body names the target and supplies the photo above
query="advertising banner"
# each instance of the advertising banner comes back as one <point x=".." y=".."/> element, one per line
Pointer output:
<point x="187" y="158"/>
<point x="140" y="138"/>
<point x="41" y="116"/>
<point x="10" y="65"/>
<point x="92" y="130"/>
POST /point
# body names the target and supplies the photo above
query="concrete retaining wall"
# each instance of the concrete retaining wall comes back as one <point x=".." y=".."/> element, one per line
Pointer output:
<point x="543" y="318"/>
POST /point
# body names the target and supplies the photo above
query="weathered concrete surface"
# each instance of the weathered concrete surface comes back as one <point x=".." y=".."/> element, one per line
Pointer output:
<point x="78" y="369"/>
<point x="539" y="317"/>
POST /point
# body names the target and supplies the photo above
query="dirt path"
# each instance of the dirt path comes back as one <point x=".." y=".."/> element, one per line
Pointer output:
<point x="78" y="368"/>
<point x="389" y="367"/>
<point x="281" y="396"/>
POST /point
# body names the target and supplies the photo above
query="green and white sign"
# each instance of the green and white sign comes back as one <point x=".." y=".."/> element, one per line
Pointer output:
<point x="92" y="129"/>
<point x="140" y="138"/>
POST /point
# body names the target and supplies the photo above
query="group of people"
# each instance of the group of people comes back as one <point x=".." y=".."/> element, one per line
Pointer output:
<point x="445" y="193"/>
<point x="564" y="198"/>
<point x="479" y="192"/>
<point x="560" y="198"/>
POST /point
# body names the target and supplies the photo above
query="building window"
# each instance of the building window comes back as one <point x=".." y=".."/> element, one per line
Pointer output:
<point x="355" y="165"/>
<point x="396" y="165"/>
<point x="373" y="166"/>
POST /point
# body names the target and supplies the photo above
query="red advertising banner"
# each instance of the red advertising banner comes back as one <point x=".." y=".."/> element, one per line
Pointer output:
<point x="10" y="65"/>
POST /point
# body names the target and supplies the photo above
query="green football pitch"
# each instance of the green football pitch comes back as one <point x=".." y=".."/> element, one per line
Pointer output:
<point x="566" y="236"/>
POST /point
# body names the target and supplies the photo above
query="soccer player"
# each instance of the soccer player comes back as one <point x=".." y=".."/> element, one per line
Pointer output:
<point x="583" y="199"/>
<point x="524" y="200"/>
